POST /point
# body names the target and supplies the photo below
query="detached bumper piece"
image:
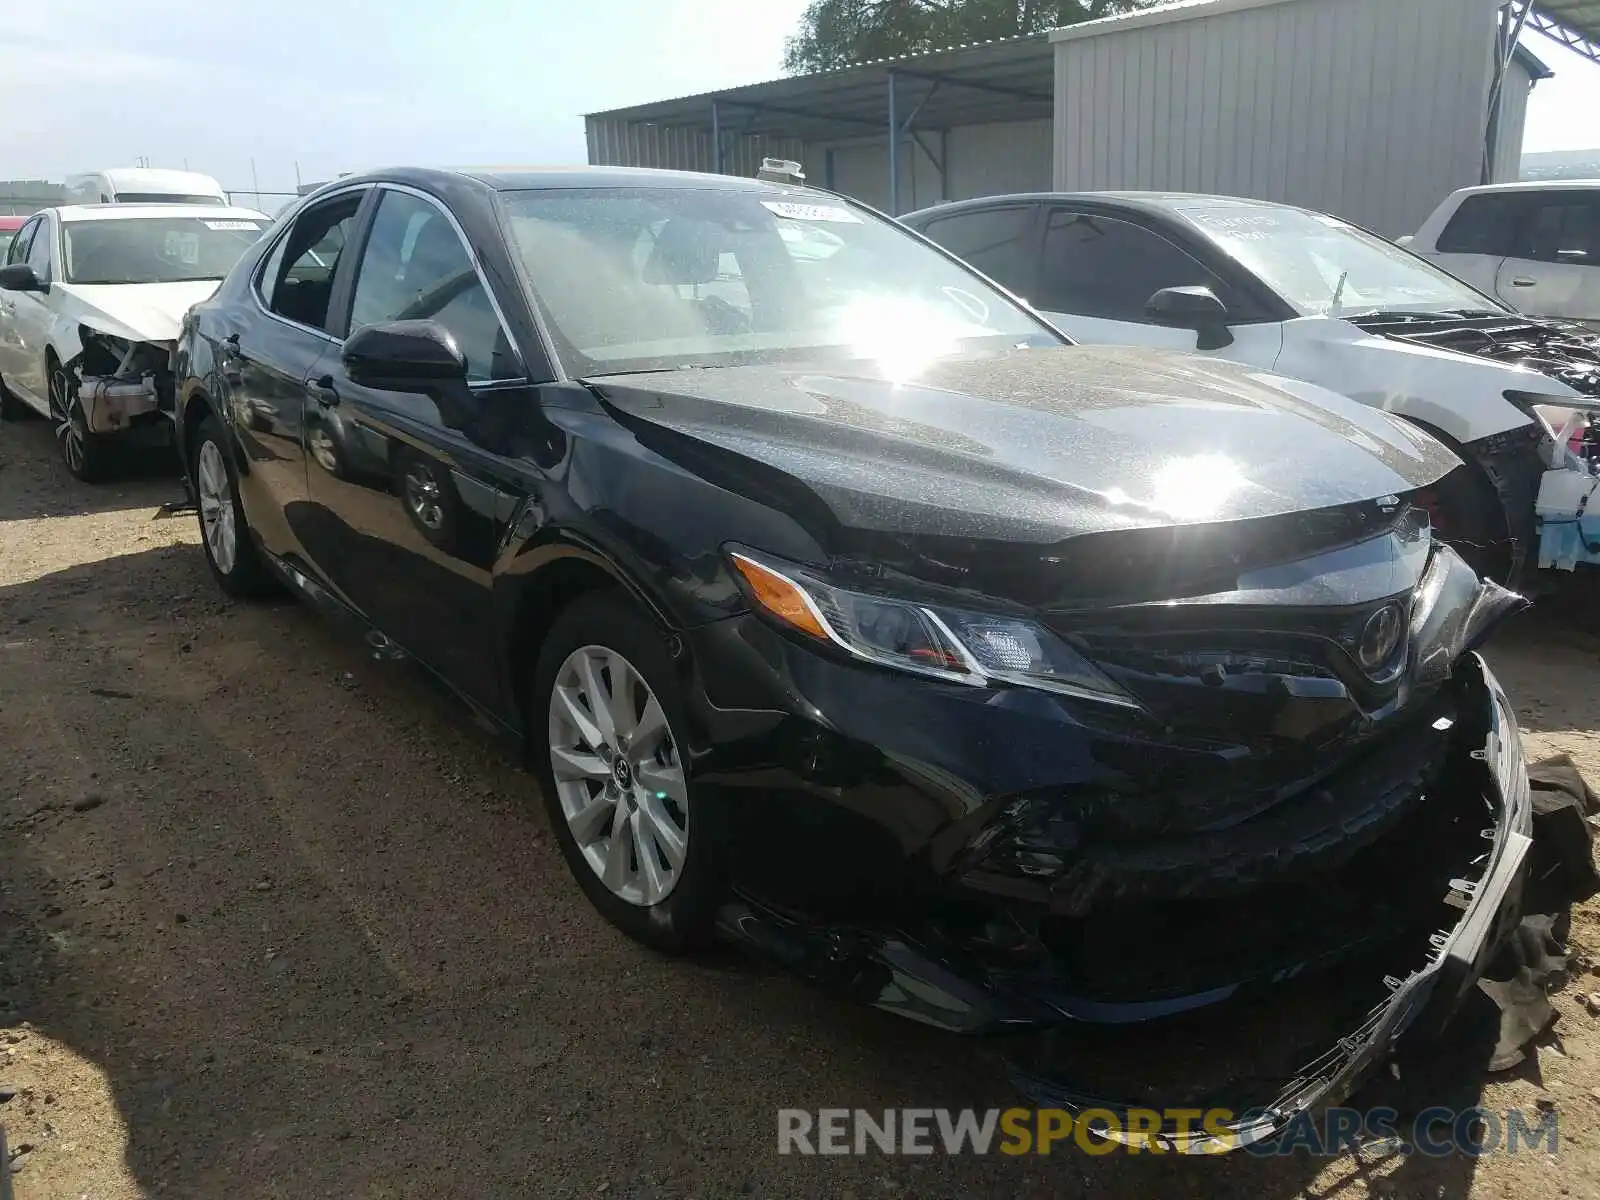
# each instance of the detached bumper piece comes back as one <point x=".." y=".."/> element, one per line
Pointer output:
<point x="1200" y="1001"/>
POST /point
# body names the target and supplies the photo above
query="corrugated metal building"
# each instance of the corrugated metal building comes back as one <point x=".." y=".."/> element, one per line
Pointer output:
<point x="1371" y="109"/>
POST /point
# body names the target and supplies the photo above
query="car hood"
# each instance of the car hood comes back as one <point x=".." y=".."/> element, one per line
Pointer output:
<point x="1036" y="445"/>
<point x="142" y="312"/>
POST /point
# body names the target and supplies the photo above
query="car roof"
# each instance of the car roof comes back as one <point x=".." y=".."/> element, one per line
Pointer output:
<point x="133" y="212"/>
<point x="149" y="176"/>
<point x="1159" y="203"/>
<point x="519" y="178"/>
<point x="1532" y="185"/>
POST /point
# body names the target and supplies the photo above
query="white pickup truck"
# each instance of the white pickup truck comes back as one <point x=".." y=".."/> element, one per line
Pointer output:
<point x="1533" y="246"/>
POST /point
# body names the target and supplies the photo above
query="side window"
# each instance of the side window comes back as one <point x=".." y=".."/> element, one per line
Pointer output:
<point x="1095" y="266"/>
<point x="298" y="281"/>
<point x="415" y="267"/>
<point x="1484" y="224"/>
<point x="39" y="250"/>
<point x="267" y="274"/>
<point x="994" y="240"/>
<point x="20" y="244"/>
<point x="1565" y="229"/>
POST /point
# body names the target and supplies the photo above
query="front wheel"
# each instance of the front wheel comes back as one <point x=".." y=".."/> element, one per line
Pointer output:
<point x="607" y="719"/>
<point x="83" y="452"/>
<point x="230" y="553"/>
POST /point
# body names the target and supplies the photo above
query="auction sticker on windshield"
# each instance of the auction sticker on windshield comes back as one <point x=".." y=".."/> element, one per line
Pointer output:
<point x="226" y="225"/>
<point x="811" y="212"/>
<point x="185" y="247"/>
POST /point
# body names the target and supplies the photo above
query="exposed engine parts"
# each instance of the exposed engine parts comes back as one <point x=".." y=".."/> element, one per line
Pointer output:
<point x="1560" y="349"/>
<point x="120" y="381"/>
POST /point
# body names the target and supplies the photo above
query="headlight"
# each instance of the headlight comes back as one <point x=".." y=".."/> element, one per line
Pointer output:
<point x="954" y="644"/>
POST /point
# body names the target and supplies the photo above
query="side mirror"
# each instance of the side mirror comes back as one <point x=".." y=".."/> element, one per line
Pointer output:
<point x="1195" y="308"/>
<point x="19" y="277"/>
<point x="404" y="356"/>
<point x="413" y="356"/>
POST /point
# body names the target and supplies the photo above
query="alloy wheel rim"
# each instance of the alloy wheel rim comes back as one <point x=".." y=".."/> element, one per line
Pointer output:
<point x="216" y="507"/>
<point x="68" y="424"/>
<point x="618" y="776"/>
<point x="422" y="494"/>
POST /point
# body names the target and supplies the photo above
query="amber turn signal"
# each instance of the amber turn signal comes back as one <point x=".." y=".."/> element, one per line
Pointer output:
<point x="780" y="596"/>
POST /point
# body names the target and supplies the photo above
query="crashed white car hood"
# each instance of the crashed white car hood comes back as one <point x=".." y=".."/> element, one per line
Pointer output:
<point x="141" y="312"/>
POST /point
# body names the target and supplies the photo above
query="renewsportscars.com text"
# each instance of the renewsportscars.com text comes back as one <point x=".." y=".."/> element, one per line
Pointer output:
<point x="1433" y="1132"/>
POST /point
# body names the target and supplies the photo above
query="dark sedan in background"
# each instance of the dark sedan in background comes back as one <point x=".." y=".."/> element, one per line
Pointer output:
<point x="844" y="607"/>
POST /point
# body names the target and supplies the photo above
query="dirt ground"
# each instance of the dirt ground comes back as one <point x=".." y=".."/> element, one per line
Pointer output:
<point x="277" y="921"/>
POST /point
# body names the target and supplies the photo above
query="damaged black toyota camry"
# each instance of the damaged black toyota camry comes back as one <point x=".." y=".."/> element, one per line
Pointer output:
<point x="844" y="608"/>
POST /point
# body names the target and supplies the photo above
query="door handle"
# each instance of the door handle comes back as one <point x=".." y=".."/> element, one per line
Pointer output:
<point x="324" y="391"/>
<point x="1522" y="281"/>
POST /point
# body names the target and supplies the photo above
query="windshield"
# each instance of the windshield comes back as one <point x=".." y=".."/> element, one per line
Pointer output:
<point x="156" y="249"/>
<point x="169" y="198"/>
<point x="7" y="236"/>
<point x="1324" y="267"/>
<point x="638" y="279"/>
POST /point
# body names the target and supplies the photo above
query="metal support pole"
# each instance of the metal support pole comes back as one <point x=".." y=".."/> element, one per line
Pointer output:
<point x="716" y="138"/>
<point x="1510" y="29"/>
<point x="894" y="151"/>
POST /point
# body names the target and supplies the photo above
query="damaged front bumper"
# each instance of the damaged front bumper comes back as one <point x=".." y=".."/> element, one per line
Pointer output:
<point x="928" y="979"/>
<point x="122" y="383"/>
<point x="112" y="405"/>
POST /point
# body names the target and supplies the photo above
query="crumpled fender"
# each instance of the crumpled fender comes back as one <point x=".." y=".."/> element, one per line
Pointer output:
<point x="1459" y="394"/>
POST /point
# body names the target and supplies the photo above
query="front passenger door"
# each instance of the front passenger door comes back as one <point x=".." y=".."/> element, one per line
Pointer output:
<point x="1097" y="273"/>
<point x="414" y="497"/>
<point x="1555" y="269"/>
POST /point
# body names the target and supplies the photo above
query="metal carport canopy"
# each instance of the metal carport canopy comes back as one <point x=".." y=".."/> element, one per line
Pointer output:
<point x="1011" y="79"/>
<point x="1573" y="23"/>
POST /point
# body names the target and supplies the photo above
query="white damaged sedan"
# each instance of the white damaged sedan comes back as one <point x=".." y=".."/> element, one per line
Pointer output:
<point x="91" y="301"/>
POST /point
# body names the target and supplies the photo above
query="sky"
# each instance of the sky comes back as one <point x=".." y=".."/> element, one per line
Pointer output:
<point x="322" y="86"/>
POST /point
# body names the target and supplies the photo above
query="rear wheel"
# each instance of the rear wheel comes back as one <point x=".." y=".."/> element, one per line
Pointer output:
<point x="230" y="551"/>
<point x="607" y="717"/>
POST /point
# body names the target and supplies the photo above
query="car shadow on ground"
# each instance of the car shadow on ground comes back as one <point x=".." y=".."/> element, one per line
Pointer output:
<point x="138" y="477"/>
<point x="310" y="925"/>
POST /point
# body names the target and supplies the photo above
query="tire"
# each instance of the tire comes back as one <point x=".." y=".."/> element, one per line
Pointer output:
<point x="651" y="801"/>
<point x="1469" y="517"/>
<point x="225" y="537"/>
<point x="85" y="454"/>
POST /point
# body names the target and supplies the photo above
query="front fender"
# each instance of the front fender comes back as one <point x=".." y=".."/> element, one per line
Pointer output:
<point x="1462" y="396"/>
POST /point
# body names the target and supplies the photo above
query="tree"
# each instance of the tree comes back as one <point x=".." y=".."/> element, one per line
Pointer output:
<point x="839" y="33"/>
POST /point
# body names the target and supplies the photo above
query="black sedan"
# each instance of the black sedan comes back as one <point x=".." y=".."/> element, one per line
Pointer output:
<point x="843" y="607"/>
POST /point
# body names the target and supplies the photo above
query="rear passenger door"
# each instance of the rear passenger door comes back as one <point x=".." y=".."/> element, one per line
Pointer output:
<point x="267" y="356"/>
<point x="1554" y="267"/>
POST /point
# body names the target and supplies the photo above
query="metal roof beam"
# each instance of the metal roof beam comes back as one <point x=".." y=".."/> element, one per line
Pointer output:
<point x="998" y="89"/>
<point x="1567" y="36"/>
<point x="802" y="113"/>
